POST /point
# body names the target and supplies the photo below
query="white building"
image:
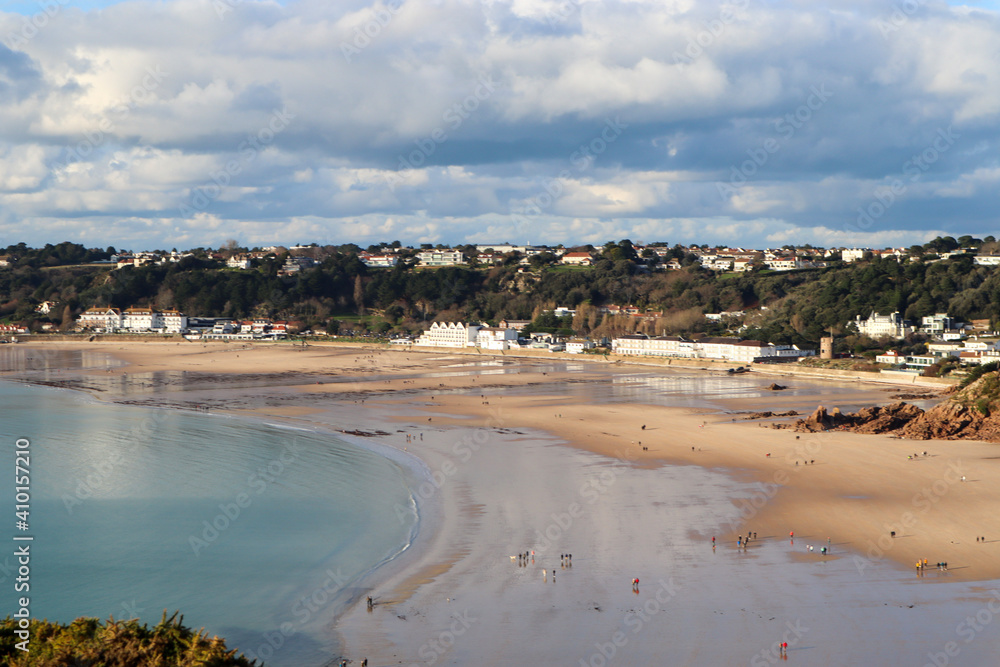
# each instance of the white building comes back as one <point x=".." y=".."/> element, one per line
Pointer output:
<point x="945" y="349"/>
<point x="937" y="323"/>
<point x="577" y="259"/>
<point x="380" y="261"/>
<point x="103" y="319"/>
<point x="238" y="262"/>
<point x="496" y="338"/>
<point x="910" y="362"/>
<point x="879" y="326"/>
<point x="788" y="264"/>
<point x="726" y="349"/>
<point x="891" y="357"/>
<point x="980" y="346"/>
<point x="141" y="319"/>
<point x="660" y="346"/>
<point x="173" y="321"/>
<point x="853" y="254"/>
<point x="578" y="345"/>
<point x="450" y="334"/>
<point x="718" y="263"/>
<point x="440" y="257"/>
<point x="987" y="260"/>
<point x="726" y="314"/>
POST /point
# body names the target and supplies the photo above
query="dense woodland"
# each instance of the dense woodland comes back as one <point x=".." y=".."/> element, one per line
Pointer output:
<point x="341" y="293"/>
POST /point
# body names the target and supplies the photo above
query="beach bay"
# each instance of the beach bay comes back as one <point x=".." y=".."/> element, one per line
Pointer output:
<point x="544" y="455"/>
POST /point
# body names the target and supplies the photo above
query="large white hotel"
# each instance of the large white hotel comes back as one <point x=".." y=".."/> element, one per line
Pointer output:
<point x="458" y="334"/>
<point x="728" y="349"/>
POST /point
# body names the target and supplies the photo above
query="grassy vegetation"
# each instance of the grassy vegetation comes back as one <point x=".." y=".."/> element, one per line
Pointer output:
<point x="842" y="364"/>
<point x="569" y="268"/>
<point x="981" y="392"/>
<point x="93" y="643"/>
<point x="978" y="372"/>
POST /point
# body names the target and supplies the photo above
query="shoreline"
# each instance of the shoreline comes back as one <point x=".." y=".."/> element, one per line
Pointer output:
<point x="676" y="363"/>
<point x="460" y="410"/>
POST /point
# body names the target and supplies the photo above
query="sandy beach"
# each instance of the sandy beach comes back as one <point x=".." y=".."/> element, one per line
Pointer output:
<point x="606" y="453"/>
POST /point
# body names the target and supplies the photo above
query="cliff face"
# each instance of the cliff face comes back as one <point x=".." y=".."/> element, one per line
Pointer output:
<point x="971" y="413"/>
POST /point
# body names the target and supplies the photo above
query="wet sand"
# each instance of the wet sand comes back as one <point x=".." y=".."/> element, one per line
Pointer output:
<point x="504" y="485"/>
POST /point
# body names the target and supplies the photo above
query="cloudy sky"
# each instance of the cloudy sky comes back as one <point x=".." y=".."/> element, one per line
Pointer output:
<point x="178" y="123"/>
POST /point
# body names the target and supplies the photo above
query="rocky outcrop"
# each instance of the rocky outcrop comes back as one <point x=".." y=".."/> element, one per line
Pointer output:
<point x="970" y="413"/>
<point x="885" y="419"/>
<point x="878" y="419"/>
<point x="948" y="421"/>
<point x="767" y="414"/>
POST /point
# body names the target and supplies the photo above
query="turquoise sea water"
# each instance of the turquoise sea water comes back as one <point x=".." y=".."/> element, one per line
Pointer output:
<point x="256" y="532"/>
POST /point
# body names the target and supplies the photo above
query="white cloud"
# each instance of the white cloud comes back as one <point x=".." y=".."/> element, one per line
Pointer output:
<point x="124" y="113"/>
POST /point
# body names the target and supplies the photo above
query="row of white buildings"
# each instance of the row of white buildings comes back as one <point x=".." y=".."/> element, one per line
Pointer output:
<point x="726" y="349"/>
<point x="894" y="326"/>
<point x="110" y="320"/>
<point x="147" y="320"/>
<point x="459" y="334"/>
<point x="967" y="352"/>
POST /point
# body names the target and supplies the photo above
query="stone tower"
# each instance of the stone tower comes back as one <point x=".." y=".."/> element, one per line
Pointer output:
<point x="826" y="347"/>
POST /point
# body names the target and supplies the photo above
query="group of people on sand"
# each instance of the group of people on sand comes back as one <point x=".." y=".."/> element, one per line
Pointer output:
<point x="522" y="558"/>
<point x="528" y="558"/>
<point x="822" y="550"/>
<point x="922" y="565"/>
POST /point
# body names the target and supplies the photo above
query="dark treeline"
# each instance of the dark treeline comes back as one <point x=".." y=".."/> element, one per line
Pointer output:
<point x="782" y="307"/>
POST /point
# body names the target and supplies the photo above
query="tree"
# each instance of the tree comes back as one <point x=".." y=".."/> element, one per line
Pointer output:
<point x="67" y="318"/>
<point x="229" y="248"/>
<point x="359" y="295"/>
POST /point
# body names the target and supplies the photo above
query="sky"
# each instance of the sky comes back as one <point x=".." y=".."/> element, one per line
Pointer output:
<point x="757" y="123"/>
